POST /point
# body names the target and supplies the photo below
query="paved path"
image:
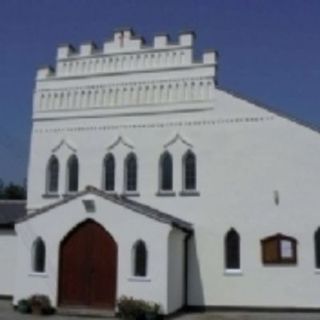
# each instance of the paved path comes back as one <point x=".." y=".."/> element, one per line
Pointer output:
<point x="7" y="313"/>
<point x="233" y="315"/>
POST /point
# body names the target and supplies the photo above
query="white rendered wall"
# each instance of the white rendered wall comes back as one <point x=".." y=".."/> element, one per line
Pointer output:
<point x="176" y="270"/>
<point x="124" y="226"/>
<point x="243" y="154"/>
<point x="8" y="241"/>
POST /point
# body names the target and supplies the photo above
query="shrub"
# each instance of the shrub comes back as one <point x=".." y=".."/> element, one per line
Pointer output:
<point x="23" y="306"/>
<point x="132" y="309"/>
<point x="40" y="303"/>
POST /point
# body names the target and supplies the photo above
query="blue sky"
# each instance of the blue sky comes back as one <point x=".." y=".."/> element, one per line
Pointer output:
<point x="269" y="50"/>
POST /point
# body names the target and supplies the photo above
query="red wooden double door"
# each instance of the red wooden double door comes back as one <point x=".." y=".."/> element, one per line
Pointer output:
<point x="88" y="267"/>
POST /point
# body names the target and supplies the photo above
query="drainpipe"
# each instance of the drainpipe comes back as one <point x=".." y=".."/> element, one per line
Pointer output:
<point x="186" y="269"/>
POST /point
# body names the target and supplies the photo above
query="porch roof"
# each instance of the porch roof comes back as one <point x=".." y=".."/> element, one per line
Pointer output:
<point x="121" y="200"/>
<point x="11" y="211"/>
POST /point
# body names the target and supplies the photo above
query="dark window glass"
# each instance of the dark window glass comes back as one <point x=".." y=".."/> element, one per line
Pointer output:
<point x="53" y="174"/>
<point x="232" y="250"/>
<point x="109" y="169"/>
<point x="131" y="173"/>
<point x="190" y="174"/>
<point x="39" y="256"/>
<point x="166" y="168"/>
<point x="317" y="247"/>
<point x="73" y="171"/>
<point x="140" y="259"/>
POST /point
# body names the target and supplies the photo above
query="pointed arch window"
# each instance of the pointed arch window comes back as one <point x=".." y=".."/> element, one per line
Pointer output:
<point x="131" y="172"/>
<point x="53" y="175"/>
<point x="166" y="172"/>
<point x="232" y="250"/>
<point x="317" y="248"/>
<point x="38" y="256"/>
<point x="140" y="259"/>
<point x="73" y="174"/>
<point x="109" y="172"/>
<point x="189" y="171"/>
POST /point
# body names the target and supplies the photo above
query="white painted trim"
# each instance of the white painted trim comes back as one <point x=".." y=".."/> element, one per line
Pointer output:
<point x="195" y="65"/>
<point x="139" y="279"/>
<point x="38" y="275"/>
<point x="166" y="193"/>
<point x="131" y="193"/>
<point x="233" y="272"/>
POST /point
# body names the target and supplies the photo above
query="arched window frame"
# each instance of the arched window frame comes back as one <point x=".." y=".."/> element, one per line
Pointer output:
<point x="131" y="173"/>
<point x="109" y="173"/>
<point x="232" y="251"/>
<point x="139" y="268"/>
<point x="72" y="186"/>
<point x="166" y="186"/>
<point x="52" y="175"/>
<point x="317" y="248"/>
<point x="38" y="262"/>
<point x="189" y="174"/>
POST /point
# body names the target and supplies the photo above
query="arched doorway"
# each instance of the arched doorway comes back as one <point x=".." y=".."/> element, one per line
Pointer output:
<point x="88" y="267"/>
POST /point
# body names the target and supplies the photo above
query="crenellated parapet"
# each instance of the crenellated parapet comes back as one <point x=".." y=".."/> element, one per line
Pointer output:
<point x="126" y="52"/>
<point x="45" y="72"/>
<point x="124" y="41"/>
<point x="126" y="71"/>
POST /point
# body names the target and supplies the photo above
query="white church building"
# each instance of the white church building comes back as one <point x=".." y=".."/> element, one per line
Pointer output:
<point x="147" y="180"/>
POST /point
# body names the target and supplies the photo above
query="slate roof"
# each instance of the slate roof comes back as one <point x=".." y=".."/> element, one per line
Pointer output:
<point x="123" y="201"/>
<point x="11" y="211"/>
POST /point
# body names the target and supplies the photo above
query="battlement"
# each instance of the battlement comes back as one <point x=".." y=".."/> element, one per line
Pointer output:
<point x="126" y="72"/>
<point x="126" y="52"/>
<point x="124" y="41"/>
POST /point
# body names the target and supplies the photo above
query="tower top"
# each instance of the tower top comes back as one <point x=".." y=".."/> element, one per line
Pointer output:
<point x="126" y="72"/>
<point x="126" y="52"/>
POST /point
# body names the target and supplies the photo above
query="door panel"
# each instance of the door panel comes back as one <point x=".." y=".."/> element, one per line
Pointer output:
<point x="88" y="267"/>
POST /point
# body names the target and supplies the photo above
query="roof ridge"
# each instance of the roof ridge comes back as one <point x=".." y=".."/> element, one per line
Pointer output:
<point x="272" y="109"/>
<point x="121" y="200"/>
<point x="155" y="209"/>
<point x="13" y="201"/>
<point x="164" y="217"/>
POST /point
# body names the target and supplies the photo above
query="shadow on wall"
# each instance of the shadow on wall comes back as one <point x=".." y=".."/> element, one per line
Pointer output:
<point x="195" y="286"/>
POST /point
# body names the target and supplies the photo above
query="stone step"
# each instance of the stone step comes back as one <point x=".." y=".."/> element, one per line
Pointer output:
<point x="86" y="312"/>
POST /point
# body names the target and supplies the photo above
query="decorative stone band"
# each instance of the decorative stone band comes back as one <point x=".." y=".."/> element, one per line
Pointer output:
<point x="124" y="62"/>
<point x="138" y="93"/>
<point x="157" y="125"/>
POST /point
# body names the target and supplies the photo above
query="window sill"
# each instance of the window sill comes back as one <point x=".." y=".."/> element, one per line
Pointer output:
<point x="38" y="275"/>
<point x="69" y="194"/>
<point x="189" y="193"/>
<point x="233" y="272"/>
<point x="131" y="194"/>
<point x="139" y="279"/>
<point x="110" y="192"/>
<point x="50" y="196"/>
<point x="163" y="193"/>
<point x="317" y="271"/>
